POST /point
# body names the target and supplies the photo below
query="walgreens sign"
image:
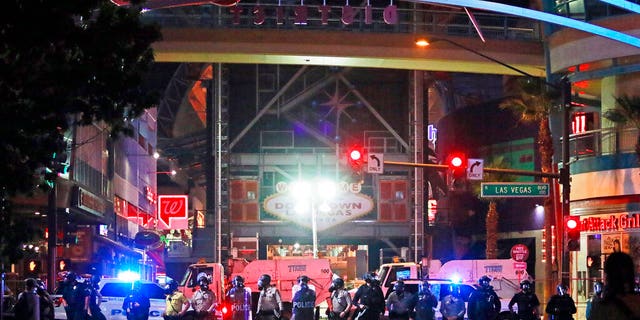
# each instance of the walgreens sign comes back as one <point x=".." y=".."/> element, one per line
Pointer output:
<point x="173" y="212"/>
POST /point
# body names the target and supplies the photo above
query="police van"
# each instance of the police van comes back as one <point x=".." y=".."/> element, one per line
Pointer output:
<point x="113" y="293"/>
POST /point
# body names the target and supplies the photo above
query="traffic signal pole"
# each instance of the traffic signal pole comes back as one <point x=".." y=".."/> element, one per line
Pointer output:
<point x="491" y="170"/>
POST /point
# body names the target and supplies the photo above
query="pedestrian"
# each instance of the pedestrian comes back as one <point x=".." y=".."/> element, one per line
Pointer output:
<point x="47" y="308"/>
<point x="527" y="301"/>
<point x="452" y="306"/>
<point x="136" y="305"/>
<point x="425" y="302"/>
<point x="561" y="306"/>
<point x="339" y="301"/>
<point x="618" y="299"/>
<point x="176" y="303"/>
<point x="269" y="300"/>
<point x="239" y="297"/>
<point x="400" y="302"/>
<point x="369" y="299"/>
<point x="74" y="296"/>
<point x="95" y="299"/>
<point x="597" y="296"/>
<point x="484" y="303"/>
<point x="204" y="301"/>
<point x="28" y="305"/>
<point x="304" y="301"/>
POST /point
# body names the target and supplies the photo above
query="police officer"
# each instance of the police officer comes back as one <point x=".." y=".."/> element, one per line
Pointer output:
<point x="484" y="303"/>
<point x="203" y="301"/>
<point x="95" y="298"/>
<point x="595" y="298"/>
<point x="304" y="301"/>
<point x="74" y="295"/>
<point x="269" y="300"/>
<point x="136" y="305"/>
<point x="239" y="297"/>
<point x="527" y="301"/>
<point x="561" y="305"/>
<point x="400" y="302"/>
<point x="176" y="304"/>
<point x="452" y="307"/>
<point x="369" y="299"/>
<point x="425" y="302"/>
<point x="339" y="302"/>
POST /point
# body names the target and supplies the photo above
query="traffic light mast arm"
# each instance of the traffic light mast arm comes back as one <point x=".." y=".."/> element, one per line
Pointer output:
<point x="493" y="170"/>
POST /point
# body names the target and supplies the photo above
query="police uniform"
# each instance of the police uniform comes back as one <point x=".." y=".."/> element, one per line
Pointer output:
<point x="425" y="304"/>
<point x="304" y="302"/>
<point x="340" y="304"/>
<point x="240" y="301"/>
<point x="269" y="303"/>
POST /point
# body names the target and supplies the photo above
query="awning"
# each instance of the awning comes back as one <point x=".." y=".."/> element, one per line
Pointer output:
<point x="121" y="247"/>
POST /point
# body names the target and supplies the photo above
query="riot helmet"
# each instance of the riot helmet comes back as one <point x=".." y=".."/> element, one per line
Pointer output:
<point x="337" y="283"/>
<point x="303" y="281"/>
<point x="264" y="281"/>
<point x="525" y="285"/>
<point x="484" y="282"/>
<point x="371" y="278"/>
<point x="597" y="287"/>
<point x="424" y="287"/>
<point x="562" y="289"/>
<point x="171" y="286"/>
<point x="238" y="281"/>
<point x="203" y="278"/>
<point x="399" y="286"/>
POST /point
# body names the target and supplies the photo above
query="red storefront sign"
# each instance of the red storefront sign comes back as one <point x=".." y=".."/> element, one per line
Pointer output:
<point x="173" y="212"/>
<point x="612" y="222"/>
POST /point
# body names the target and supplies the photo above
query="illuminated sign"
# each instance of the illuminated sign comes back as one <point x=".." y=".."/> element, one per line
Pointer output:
<point x="610" y="222"/>
<point x="173" y="212"/>
<point x="344" y="206"/>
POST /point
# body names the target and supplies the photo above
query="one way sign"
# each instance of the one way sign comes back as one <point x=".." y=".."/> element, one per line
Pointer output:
<point x="475" y="167"/>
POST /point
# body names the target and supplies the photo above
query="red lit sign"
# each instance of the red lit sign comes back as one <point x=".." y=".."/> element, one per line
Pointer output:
<point x="172" y="212"/>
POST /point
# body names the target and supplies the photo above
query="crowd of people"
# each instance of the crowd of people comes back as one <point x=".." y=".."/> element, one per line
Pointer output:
<point x="617" y="298"/>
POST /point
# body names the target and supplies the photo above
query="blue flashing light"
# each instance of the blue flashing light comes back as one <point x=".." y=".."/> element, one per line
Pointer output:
<point x="456" y="278"/>
<point x="128" y="275"/>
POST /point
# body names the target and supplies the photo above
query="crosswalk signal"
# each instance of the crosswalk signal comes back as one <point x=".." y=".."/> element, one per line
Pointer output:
<point x="572" y="226"/>
<point x="32" y="266"/>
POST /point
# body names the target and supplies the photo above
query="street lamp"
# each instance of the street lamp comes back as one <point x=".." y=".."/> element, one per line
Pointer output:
<point x="313" y="196"/>
<point x="564" y="178"/>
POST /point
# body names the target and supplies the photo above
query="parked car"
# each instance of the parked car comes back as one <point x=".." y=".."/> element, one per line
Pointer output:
<point x="113" y="293"/>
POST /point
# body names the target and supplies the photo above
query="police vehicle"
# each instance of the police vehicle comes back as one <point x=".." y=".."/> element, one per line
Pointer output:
<point x="113" y="293"/>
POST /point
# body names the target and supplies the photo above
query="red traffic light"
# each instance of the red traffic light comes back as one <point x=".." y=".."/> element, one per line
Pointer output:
<point x="457" y="161"/>
<point x="572" y="224"/>
<point x="355" y="156"/>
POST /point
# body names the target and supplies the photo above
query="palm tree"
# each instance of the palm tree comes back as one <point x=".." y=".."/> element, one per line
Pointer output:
<point x="531" y="99"/>
<point x="491" y="221"/>
<point x="627" y="111"/>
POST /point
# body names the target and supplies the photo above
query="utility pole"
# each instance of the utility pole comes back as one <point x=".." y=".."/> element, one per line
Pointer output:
<point x="52" y="225"/>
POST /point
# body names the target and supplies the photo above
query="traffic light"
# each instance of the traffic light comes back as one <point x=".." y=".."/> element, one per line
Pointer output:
<point x="572" y="230"/>
<point x="356" y="158"/>
<point x="64" y="265"/>
<point x="32" y="266"/>
<point x="457" y="163"/>
<point x="593" y="266"/>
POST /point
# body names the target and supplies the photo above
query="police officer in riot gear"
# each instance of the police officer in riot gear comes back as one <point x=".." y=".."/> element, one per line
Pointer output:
<point x="136" y="305"/>
<point x="239" y="297"/>
<point x="425" y="302"/>
<point x="74" y="295"/>
<point x="527" y="301"/>
<point x="452" y="306"/>
<point x="339" y="302"/>
<point x="400" y="302"/>
<point x="203" y="301"/>
<point x="598" y="287"/>
<point x="269" y="300"/>
<point x="95" y="299"/>
<point x="304" y="301"/>
<point x="484" y="303"/>
<point x="561" y="306"/>
<point x="369" y="299"/>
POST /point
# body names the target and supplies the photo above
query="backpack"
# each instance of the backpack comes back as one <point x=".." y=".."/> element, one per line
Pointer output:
<point x="376" y="299"/>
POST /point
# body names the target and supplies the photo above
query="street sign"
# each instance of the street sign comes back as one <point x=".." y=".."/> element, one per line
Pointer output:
<point x="514" y="190"/>
<point x="375" y="163"/>
<point x="475" y="168"/>
<point x="519" y="252"/>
